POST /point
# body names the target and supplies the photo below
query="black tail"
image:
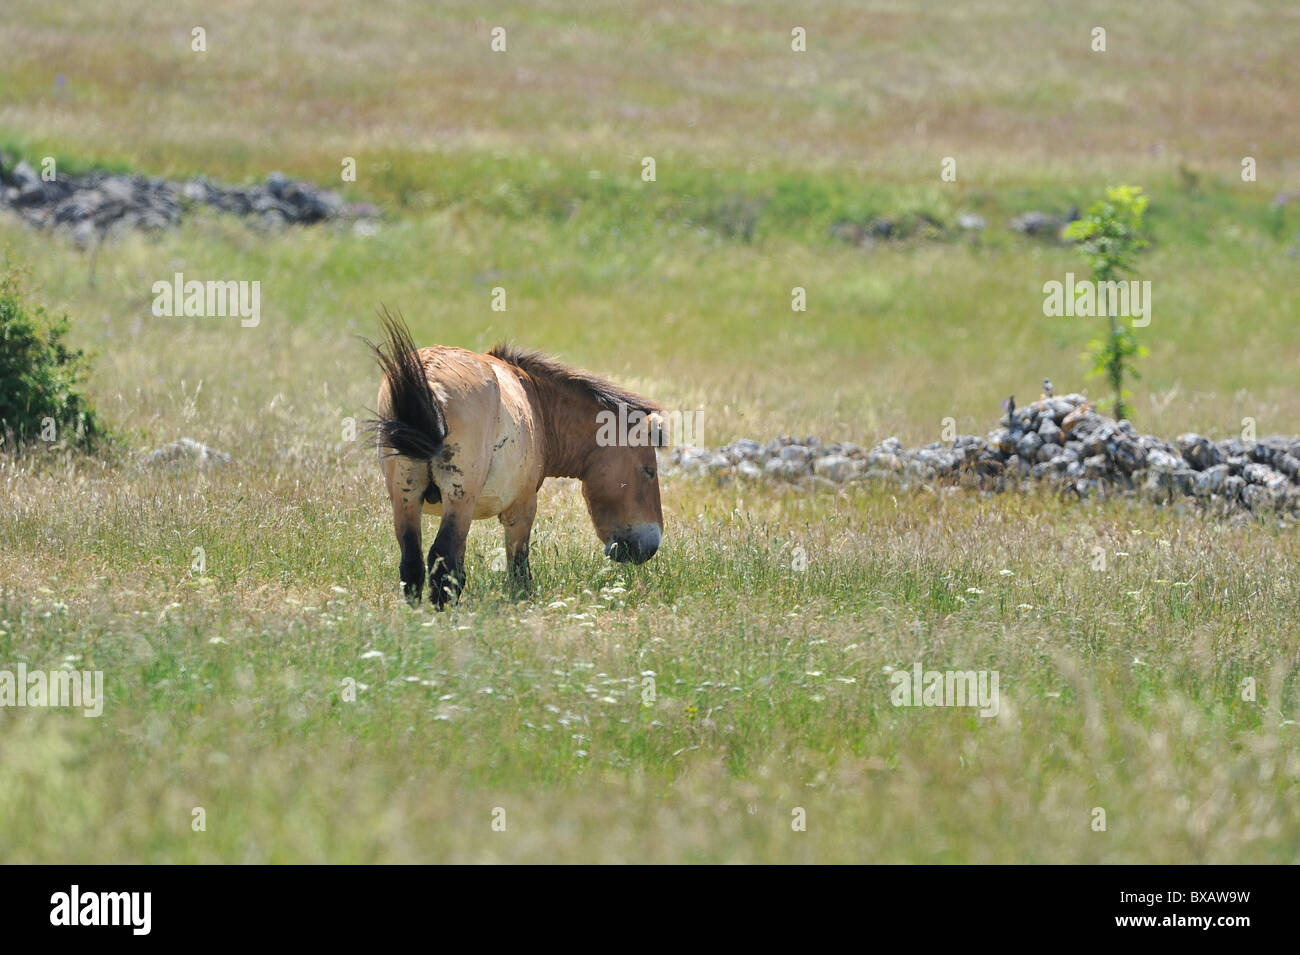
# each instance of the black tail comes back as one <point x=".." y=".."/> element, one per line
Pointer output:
<point x="417" y="426"/>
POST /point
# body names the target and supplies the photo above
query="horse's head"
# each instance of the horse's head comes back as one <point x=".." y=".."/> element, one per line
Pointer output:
<point x="621" y="485"/>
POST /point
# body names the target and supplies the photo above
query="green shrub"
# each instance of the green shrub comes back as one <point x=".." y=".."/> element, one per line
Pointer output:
<point x="1110" y="235"/>
<point x="39" y="374"/>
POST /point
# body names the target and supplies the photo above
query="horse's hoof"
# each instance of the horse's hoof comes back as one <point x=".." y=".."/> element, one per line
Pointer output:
<point x="444" y="589"/>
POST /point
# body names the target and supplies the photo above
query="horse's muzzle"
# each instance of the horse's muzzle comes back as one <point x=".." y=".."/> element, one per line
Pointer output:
<point x="637" y="544"/>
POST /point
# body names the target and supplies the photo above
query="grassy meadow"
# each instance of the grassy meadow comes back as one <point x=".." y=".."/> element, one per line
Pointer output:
<point x="228" y="687"/>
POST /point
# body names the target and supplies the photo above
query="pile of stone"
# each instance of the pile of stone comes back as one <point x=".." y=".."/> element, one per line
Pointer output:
<point x="1043" y="225"/>
<point x="1038" y="225"/>
<point x="1062" y="441"/>
<point x="100" y="204"/>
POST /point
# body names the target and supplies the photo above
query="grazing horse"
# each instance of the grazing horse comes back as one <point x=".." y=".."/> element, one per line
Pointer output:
<point x="471" y="436"/>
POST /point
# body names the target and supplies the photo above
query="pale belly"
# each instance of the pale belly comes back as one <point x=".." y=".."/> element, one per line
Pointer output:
<point x="504" y="486"/>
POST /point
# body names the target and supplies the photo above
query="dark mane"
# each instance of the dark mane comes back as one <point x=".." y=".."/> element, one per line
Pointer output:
<point x="605" y="393"/>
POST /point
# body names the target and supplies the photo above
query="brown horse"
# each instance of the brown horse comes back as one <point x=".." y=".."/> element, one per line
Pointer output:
<point x="471" y="436"/>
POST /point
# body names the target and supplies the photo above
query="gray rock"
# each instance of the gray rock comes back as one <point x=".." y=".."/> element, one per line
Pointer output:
<point x="691" y="459"/>
<point x="1039" y="225"/>
<point x="717" y="463"/>
<point x="1058" y="408"/>
<point x="837" y="467"/>
<point x="1095" y="465"/>
<point x="1184" y="481"/>
<point x="1200" y="452"/>
<point x="24" y="176"/>
<point x="1126" y="453"/>
<point x="186" y="451"/>
<point x="1001" y="439"/>
<point x="1161" y="460"/>
<point x="1275" y="452"/>
<point x="1027" y="447"/>
<point x="1264" y="476"/>
<point x="1211" y="480"/>
<point x="1081" y="422"/>
<point x="1259" y="497"/>
<point x="785" y="468"/>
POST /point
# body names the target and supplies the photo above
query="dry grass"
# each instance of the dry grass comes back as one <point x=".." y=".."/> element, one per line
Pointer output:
<point x="880" y="85"/>
<point x="1119" y="689"/>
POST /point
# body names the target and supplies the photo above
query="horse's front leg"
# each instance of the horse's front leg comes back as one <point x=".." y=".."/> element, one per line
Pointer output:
<point x="517" y="519"/>
<point x="447" y="555"/>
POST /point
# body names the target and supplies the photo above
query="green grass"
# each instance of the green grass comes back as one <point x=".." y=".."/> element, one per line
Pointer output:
<point x="1121" y="688"/>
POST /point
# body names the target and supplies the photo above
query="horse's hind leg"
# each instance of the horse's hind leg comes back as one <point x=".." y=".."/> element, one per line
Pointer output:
<point x="407" y="480"/>
<point x="447" y="555"/>
<point x="517" y="519"/>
